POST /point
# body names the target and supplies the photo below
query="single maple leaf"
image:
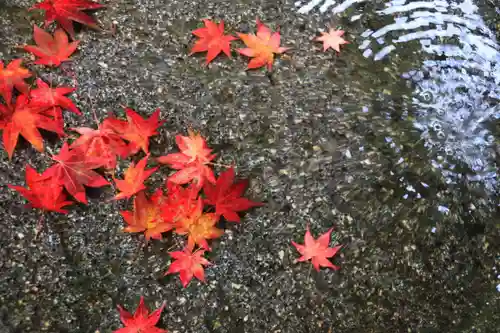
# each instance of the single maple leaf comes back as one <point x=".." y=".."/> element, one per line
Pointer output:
<point x="142" y="321"/>
<point x="188" y="264"/>
<point x="24" y="119"/>
<point x="46" y="97"/>
<point x="42" y="193"/>
<point x="212" y="40"/>
<point x="146" y="217"/>
<point x="317" y="250"/>
<point x="191" y="161"/>
<point x="101" y="143"/>
<point x="136" y="130"/>
<point x="73" y="170"/>
<point x="12" y="76"/>
<point x="226" y="196"/>
<point x="261" y="46"/>
<point x="51" y="51"/>
<point x="134" y="178"/>
<point x="65" y="11"/>
<point x="199" y="227"/>
<point x="332" y="39"/>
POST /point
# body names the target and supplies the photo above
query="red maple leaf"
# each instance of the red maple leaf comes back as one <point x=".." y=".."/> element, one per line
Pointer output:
<point x="42" y="193"/>
<point x="212" y="40"/>
<point x="65" y="11"/>
<point x="12" y="76"/>
<point x="73" y="170"/>
<point x="146" y="216"/>
<point x="226" y="196"/>
<point x="52" y="51"/>
<point x="188" y="264"/>
<point x="134" y="178"/>
<point x="101" y="143"/>
<point x="317" y="250"/>
<point x="332" y="38"/>
<point x="24" y="119"/>
<point x="191" y="161"/>
<point x="45" y="96"/>
<point x="136" y="130"/>
<point x="142" y="321"/>
<point x="261" y="46"/>
<point x="179" y="203"/>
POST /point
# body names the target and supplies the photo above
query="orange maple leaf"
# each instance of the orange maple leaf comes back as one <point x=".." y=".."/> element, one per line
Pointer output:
<point x="136" y="130"/>
<point x="317" y="250"/>
<point x="24" y="119"/>
<point x="261" y="47"/>
<point x="191" y="161"/>
<point x="134" y="178"/>
<point x="332" y="39"/>
<point x="212" y="40"/>
<point x="52" y="51"/>
<point x="146" y="216"/>
<point x="12" y="76"/>
<point x="199" y="227"/>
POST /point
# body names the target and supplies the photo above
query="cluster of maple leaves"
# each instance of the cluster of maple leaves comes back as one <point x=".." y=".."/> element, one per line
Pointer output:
<point x="193" y="199"/>
<point x="261" y="46"/>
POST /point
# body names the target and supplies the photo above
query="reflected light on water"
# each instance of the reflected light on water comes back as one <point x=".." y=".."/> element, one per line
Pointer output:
<point x="457" y="88"/>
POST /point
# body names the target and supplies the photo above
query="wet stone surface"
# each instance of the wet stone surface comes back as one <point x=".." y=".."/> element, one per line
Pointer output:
<point x="322" y="141"/>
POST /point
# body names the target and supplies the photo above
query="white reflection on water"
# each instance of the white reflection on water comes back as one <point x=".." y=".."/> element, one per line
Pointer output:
<point x="455" y="95"/>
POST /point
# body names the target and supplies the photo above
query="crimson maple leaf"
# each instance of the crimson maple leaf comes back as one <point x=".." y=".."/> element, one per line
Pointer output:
<point x="191" y="161"/>
<point x="52" y="51"/>
<point x="134" y="178"/>
<point x="142" y="321"/>
<point x="65" y="11"/>
<point x="42" y="193"/>
<point x="317" y="250"/>
<point x="226" y="196"/>
<point x="12" y="76"/>
<point x="46" y="97"/>
<point x="146" y="216"/>
<point x="332" y="38"/>
<point x="261" y="46"/>
<point x="136" y="130"/>
<point x="24" y="119"/>
<point x="101" y="143"/>
<point x="73" y="170"/>
<point x="212" y="40"/>
<point x="188" y="264"/>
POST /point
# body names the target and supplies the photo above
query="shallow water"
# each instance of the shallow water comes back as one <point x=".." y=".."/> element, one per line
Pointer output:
<point x="456" y="89"/>
<point x="393" y="143"/>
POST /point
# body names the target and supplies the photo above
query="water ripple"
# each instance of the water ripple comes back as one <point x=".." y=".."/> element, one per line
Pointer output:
<point x="456" y="88"/>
